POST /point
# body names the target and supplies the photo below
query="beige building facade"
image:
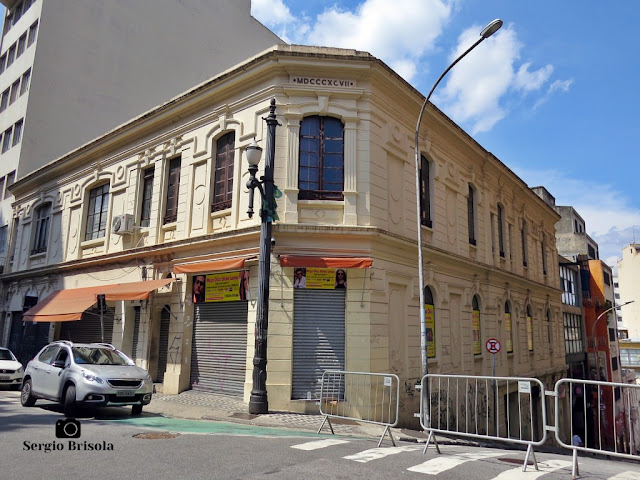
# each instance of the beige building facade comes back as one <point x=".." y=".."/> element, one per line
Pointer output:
<point x="628" y="280"/>
<point x="175" y="177"/>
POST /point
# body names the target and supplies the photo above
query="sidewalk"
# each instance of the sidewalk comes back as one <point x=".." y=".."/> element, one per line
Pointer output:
<point x="209" y="406"/>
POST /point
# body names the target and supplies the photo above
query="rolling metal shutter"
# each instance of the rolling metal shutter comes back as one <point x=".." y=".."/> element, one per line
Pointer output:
<point x="28" y="338"/>
<point x="163" y="346"/>
<point x="219" y="354"/>
<point x="136" y="333"/>
<point x="318" y="339"/>
<point x="87" y="329"/>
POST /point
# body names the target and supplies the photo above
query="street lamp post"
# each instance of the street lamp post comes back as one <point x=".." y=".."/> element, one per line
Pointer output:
<point x="593" y="333"/>
<point x="258" y="402"/>
<point x="489" y="30"/>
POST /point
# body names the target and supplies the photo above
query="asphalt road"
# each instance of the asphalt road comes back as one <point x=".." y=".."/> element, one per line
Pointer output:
<point x="114" y="445"/>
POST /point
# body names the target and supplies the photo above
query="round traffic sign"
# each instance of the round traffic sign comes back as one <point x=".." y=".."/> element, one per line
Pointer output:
<point x="493" y="345"/>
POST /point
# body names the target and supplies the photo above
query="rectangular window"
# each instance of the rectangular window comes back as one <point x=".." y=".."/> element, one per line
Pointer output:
<point x="22" y="44"/>
<point x="6" y="140"/>
<point x="8" y="21"/>
<point x="43" y="220"/>
<point x="17" y="13"/>
<point x="173" y="187"/>
<point x="3" y="62"/>
<point x="17" y="132"/>
<point x="97" y="212"/>
<point x="501" y="230"/>
<point x="32" y="34"/>
<point x="471" y="216"/>
<point x="4" y="103"/>
<point x="223" y="172"/>
<point x="24" y="84"/>
<point x="523" y="240"/>
<point x="530" y="333"/>
<point x="11" y="177"/>
<point x="425" y="192"/>
<point x="15" y="89"/>
<point x="607" y="278"/>
<point x="543" y="246"/>
<point x="11" y="55"/>
<point x="3" y="238"/>
<point x="147" y="197"/>
<point x="2" y="187"/>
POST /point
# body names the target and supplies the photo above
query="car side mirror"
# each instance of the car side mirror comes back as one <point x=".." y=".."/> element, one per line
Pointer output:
<point x="59" y="363"/>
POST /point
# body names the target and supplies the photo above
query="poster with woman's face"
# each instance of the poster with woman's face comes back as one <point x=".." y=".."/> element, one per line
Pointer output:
<point x="319" y="278"/>
<point x="221" y="287"/>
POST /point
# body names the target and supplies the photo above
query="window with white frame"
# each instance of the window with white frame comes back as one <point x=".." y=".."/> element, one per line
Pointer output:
<point x="97" y="212"/>
<point x="223" y="172"/>
<point x="173" y="190"/>
<point x="17" y="132"/>
<point x="6" y="140"/>
<point x="33" y="29"/>
<point x="147" y="196"/>
<point x="24" y="83"/>
<point x="41" y="235"/>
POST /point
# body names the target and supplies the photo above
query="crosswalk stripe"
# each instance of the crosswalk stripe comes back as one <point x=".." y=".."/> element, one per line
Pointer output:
<point x="316" y="444"/>
<point x="532" y="473"/>
<point x="629" y="475"/>
<point x="443" y="463"/>
<point x="376" y="453"/>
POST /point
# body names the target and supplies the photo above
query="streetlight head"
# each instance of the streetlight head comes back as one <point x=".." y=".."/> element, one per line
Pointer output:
<point x="492" y="28"/>
<point x="253" y="153"/>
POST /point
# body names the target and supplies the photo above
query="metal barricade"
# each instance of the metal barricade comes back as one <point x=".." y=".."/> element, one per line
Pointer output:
<point x="508" y="409"/>
<point x="601" y="417"/>
<point x="362" y="396"/>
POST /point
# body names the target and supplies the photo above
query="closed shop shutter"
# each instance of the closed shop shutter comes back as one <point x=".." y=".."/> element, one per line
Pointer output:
<point x="219" y="355"/>
<point x="136" y="333"/>
<point x="318" y="339"/>
<point x="163" y="347"/>
<point x="87" y="329"/>
<point x="26" y="339"/>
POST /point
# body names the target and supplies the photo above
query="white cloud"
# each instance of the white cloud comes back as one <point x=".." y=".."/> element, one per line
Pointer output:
<point x="556" y="86"/>
<point x="271" y="12"/>
<point x="476" y="85"/>
<point x="610" y="221"/>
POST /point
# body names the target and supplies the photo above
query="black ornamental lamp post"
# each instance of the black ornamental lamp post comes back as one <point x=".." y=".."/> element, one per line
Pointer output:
<point x="258" y="403"/>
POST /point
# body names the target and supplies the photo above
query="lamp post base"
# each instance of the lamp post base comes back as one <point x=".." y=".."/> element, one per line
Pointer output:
<point x="258" y="404"/>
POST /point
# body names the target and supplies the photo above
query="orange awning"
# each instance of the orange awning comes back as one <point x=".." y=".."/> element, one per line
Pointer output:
<point x="210" y="266"/>
<point x="325" y="262"/>
<point x="68" y="305"/>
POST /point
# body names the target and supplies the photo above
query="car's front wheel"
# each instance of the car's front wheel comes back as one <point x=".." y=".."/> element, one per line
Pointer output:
<point x="136" y="409"/>
<point x="26" y="397"/>
<point x="69" y="402"/>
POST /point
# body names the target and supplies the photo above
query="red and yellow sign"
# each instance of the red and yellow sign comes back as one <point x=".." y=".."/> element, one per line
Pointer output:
<point x="475" y="327"/>
<point x="221" y="287"/>
<point x="430" y="323"/>
<point x="507" y="329"/>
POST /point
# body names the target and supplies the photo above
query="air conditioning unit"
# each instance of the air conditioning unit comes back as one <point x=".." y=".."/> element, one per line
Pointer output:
<point x="122" y="224"/>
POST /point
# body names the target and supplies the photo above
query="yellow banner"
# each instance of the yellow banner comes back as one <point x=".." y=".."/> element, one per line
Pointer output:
<point x="321" y="278"/>
<point x="430" y="322"/>
<point x="530" y="333"/>
<point x="222" y="287"/>
<point x="475" y="326"/>
<point x="507" y="329"/>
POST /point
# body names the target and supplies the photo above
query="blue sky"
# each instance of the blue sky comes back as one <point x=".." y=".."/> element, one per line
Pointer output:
<point x="554" y="94"/>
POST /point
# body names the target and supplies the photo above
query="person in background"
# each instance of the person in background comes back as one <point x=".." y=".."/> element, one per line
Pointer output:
<point x="198" y="288"/>
<point x="341" y="278"/>
<point x="300" y="280"/>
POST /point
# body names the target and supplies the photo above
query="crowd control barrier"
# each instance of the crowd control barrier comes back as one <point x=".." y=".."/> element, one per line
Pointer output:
<point x="365" y="397"/>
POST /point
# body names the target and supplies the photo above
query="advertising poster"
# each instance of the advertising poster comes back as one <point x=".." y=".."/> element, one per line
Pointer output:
<point x="507" y="329"/>
<point x="221" y="287"/>
<point x="319" y="278"/>
<point x="430" y="321"/>
<point x="475" y="326"/>
<point x="530" y="333"/>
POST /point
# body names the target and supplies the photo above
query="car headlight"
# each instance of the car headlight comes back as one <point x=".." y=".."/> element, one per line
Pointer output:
<point x="148" y="379"/>
<point x="20" y="370"/>
<point x="91" y="377"/>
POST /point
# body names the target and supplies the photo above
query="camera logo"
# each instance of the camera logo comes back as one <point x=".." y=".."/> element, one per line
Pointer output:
<point x="68" y="428"/>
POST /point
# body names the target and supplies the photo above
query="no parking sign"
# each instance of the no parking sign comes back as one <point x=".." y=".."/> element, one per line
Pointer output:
<point x="493" y="345"/>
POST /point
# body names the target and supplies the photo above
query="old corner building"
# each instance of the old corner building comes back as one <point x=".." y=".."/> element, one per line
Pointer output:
<point x="153" y="216"/>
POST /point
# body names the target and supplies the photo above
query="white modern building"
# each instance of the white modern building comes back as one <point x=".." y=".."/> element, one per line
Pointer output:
<point x="628" y="281"/>
<point x="71" y="71"/>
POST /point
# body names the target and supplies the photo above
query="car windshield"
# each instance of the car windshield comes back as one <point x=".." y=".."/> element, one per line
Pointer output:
<point x="6" y="355"/>
<point x="99" y="356"/>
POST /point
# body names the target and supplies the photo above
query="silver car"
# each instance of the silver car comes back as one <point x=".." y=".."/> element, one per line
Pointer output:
<point x="85" y="374"/>
<point x="11" y="370"/>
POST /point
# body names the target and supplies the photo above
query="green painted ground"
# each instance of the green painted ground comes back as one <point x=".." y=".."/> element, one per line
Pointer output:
<point x="212" y="427"/>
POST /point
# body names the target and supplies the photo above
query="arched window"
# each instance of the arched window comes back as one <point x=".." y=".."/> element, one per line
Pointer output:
<point x="529" y="329"/>
<point x="507" y="327"/>
<point x="321" y="169"/>
<point x="475" y="327"/>
<point x="223" y="172"/>
<point x="471" y="215"/>
<point x="41" y="235"/>
<point x="425" y="192"/>
<point x="430" y="321"/>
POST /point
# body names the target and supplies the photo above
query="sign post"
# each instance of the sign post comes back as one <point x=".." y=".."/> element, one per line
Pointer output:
<point x="493" y="347"/>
